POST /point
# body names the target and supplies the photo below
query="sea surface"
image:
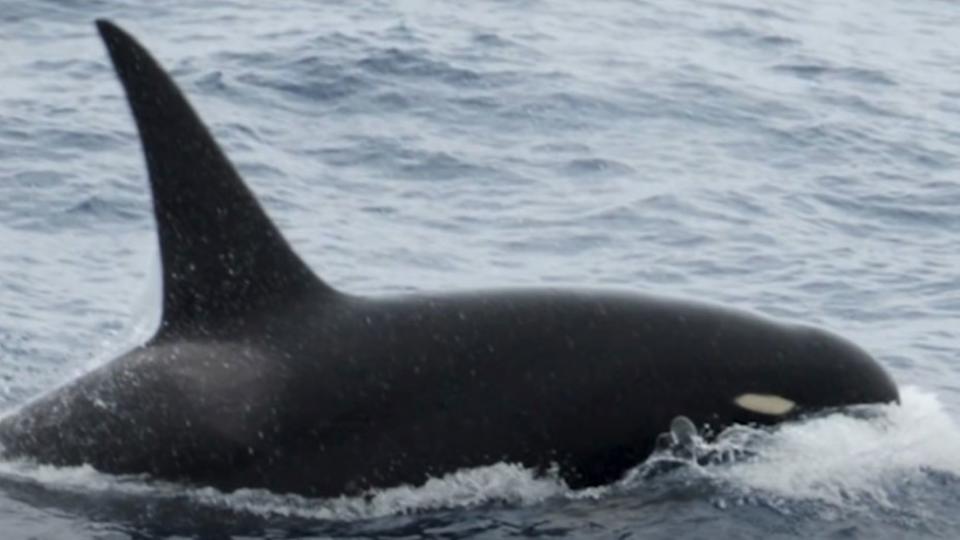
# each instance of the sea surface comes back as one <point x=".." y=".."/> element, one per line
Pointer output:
<point x="795" y="158"/>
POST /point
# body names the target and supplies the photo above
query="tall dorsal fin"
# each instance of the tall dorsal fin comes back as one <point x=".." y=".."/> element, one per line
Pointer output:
<point x="222" y="256"/>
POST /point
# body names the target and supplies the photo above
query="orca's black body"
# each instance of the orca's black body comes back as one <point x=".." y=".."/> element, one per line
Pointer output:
<point x="263" y="376"/>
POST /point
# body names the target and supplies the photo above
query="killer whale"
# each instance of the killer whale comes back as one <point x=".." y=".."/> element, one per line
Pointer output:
<point x="261" y="375"/>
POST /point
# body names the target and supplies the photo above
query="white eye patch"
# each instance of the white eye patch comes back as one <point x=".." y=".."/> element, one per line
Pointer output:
<point x="768" y="404"/>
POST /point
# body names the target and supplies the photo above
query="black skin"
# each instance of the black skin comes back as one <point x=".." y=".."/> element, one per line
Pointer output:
<point x="323" y="396"/>
<point x="262" y="376"/>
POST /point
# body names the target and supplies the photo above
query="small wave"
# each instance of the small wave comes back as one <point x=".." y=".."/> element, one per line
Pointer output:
<point x="753" y="12"/>
<point x="99" y="210"/>
<point x="74" y="68"/>
<point x="313" y="88"/>
<point x="922" y="215"/>
<point x="814" y="71"/>
<point x="416" y="64"/>
<point x="751" y="37"/>
<point x="596" y="167"/>
<point x="489" y="39"/>
<point x="402" y="159"/>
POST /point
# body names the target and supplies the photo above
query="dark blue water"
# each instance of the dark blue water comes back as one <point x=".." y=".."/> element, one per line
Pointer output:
<point x="801" y="159"/>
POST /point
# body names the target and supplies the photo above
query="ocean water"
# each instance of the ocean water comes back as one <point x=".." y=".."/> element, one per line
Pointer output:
<point x="799" y="159"/>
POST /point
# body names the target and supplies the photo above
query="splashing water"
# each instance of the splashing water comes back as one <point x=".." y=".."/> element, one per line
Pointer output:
<point x="837" y="459"/>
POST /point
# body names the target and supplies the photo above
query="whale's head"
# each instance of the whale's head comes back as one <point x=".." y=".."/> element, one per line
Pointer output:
<point x="816" y="370"/>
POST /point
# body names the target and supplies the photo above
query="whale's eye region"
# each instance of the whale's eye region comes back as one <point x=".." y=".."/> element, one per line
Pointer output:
<point x="768" y="404"/>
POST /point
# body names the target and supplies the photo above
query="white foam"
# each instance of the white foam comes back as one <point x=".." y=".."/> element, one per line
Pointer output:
<point x="839" y="459"/>
<point x="501" y="483"/>
<point x="78" y="479"/>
